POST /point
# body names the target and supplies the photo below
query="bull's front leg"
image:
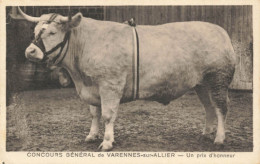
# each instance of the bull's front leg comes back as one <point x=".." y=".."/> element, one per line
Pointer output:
<point x="94" y="130"/>
<point x="109" y="105"/>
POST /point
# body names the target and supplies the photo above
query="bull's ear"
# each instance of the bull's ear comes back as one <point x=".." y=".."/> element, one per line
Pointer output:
<point x="75" y="20"/>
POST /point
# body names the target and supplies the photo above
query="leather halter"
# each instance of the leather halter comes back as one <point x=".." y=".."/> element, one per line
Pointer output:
<point x="39" y="43"/>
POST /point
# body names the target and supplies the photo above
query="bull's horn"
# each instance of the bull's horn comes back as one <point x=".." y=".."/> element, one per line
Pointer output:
<point x="75" y="17"/>
<point x="64" y="19"/>
<point x="28" y="17"/>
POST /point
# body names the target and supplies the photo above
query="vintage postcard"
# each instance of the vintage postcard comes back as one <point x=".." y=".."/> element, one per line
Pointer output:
<point x="129" y="82"/>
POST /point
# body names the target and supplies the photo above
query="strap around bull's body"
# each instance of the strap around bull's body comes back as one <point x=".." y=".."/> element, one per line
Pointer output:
<point x="135" y="91"/>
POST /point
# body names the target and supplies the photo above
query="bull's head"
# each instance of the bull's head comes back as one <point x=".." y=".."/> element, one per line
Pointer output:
<point x="51" y="34"/>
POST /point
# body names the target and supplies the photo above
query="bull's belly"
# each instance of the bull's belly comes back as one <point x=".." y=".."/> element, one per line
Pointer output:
<point x="166" y="96"/>
<point x="161" y="90"/>
<point x="166" y="92"/>
<point x="163" y="94"/>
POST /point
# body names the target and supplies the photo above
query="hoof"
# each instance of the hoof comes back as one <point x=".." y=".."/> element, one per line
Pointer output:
<point x="105" y="146"/>
<point x="219" y="143"/>
<point x="91" y="138"/>
<point x="219" y="140"/>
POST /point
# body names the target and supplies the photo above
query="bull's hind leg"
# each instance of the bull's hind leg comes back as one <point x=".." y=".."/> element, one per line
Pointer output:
<point x="204" y="96"/>
<point x="219" y="83"/>
<point x="220" y="97"/>
<point x="96" y="113"/>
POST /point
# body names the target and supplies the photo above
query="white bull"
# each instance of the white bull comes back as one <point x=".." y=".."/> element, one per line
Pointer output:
<point x="174" y="58"/>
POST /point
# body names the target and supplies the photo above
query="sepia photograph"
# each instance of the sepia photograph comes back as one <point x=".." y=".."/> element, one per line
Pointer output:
<point x="128" y="79"/>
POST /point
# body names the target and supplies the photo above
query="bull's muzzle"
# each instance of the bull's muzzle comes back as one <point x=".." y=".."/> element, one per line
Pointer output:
<point x="33" y="53"/>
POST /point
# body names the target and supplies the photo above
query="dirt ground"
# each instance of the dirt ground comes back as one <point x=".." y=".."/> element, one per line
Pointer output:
<point x="56" y="120"/>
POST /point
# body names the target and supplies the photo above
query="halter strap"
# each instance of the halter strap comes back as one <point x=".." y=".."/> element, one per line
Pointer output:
<point x="39" y="43"/>
<point x="53" y="16"/>
<point x="61" y="56"/>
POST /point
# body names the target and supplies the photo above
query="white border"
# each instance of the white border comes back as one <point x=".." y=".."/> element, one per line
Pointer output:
<point x="21" y="157"/>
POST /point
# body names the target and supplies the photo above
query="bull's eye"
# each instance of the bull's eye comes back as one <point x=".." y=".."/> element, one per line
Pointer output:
<point x="52" y="33"/>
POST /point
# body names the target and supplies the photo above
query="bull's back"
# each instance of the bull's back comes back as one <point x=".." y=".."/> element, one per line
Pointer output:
<point x="181" y="41"/>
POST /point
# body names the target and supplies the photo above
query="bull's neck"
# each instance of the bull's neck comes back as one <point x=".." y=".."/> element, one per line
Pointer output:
<point x="79" y="45"/>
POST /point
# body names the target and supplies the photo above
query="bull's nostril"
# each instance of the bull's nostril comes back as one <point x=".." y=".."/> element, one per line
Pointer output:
<point x="33" y="51"/>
